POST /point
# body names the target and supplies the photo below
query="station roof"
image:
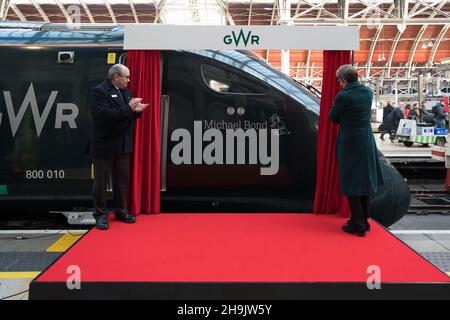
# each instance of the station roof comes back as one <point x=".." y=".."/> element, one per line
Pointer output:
<point x="398" y="38"/>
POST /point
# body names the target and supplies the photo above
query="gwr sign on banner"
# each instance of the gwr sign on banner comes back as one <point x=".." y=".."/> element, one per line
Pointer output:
<point x="165" y="37"/>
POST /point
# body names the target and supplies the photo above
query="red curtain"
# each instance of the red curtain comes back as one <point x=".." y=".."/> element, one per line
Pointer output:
<point x="328" y="198"/>
<point x="144" y="189"/>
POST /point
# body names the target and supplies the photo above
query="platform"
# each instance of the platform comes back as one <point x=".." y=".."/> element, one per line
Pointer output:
<point x="239" y="256"/>
<point x="397" y="150"/>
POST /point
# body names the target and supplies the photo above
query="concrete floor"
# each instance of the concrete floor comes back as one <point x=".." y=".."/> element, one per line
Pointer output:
<point x="24" y="254"/>
<point x="399" y="150"/>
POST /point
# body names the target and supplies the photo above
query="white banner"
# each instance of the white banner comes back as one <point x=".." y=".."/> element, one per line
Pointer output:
<point x="166" y="37"/>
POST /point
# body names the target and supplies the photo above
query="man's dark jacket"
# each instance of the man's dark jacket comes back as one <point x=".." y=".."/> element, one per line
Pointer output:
<point x="394" y="118"/>
<point x="438" y="111"/>
<point x="386" y="111"/>
<point x="112" y="121"/>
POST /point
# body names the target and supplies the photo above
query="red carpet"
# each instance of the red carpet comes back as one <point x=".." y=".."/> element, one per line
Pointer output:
<point x="240" y="248"/>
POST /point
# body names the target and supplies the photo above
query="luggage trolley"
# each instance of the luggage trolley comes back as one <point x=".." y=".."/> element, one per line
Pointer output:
<point x="410" y="132"/>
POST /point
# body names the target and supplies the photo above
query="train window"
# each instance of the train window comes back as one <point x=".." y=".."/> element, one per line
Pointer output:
<point x="225" y="81"/>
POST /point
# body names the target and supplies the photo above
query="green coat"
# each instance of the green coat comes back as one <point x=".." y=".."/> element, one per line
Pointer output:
<point x="357" y="154"/>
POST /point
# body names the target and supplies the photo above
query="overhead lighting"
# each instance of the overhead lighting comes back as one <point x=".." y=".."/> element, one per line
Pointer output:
<point x="430" y="43"/>
<point x="424" y="45"/>
<point x="383" y="57"/>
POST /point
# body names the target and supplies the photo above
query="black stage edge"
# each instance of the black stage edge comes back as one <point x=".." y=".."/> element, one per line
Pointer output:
<point x="236" y="291"/>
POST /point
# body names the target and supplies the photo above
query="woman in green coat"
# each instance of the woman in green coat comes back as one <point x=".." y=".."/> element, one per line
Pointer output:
<point x="357" y="154"/>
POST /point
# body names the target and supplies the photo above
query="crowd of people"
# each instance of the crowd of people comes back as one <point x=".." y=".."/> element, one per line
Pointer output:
<point x="393" y="114"/>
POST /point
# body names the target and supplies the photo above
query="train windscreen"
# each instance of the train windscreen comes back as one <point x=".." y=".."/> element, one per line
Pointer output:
<point x="266" y="73"/>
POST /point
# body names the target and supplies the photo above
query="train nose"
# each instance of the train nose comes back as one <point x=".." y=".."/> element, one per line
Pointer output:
<point x="391" y="202"/>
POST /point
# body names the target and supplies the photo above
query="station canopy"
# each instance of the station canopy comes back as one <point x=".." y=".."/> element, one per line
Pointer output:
<point x="398" y="38"/>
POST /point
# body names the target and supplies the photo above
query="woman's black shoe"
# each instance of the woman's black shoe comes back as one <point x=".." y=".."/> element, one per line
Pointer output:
<point x="367" y="225"/>
<point x="358" y="230"/>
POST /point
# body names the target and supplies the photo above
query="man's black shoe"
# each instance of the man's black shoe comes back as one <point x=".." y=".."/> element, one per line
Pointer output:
<point x="125" y="217"/>
<point x="101" y="222"/>
<point x="358" y="230"/>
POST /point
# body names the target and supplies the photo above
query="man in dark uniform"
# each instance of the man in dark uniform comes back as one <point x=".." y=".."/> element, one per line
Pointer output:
<point x="439" y="114"/>
<point x="113" y="113"/>
<point x="359" y="166"/>
<point x="386" y="125"/>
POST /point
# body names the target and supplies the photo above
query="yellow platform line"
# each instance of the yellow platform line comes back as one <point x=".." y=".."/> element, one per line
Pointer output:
<point x="64" y="243"/>
<point x="448" y="273"/>
<point x="19" y="275"/>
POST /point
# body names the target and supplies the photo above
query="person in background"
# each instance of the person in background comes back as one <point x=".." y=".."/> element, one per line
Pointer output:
<point x="401" y="105"/>
<point x="385" y="126"/>
<point x="394" y="120"/>
<point x="406" y="111"/>
<point x="414" y="114"/>
<point x="444" y="102"/>
<point x="426" y="116"/>
<point x="359" y="165"/>
<point x="439" y="115"/>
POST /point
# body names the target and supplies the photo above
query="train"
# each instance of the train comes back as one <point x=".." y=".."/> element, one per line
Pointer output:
<point x="49" y="71"/>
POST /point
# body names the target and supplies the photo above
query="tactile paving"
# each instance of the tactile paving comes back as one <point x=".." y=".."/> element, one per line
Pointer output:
<point x="439" y="259"/>
<point x="26" y="261"/>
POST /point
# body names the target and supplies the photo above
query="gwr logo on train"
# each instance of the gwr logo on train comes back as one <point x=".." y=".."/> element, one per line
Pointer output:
<point x="226" y="148"/>
<point x="39" y="119"/>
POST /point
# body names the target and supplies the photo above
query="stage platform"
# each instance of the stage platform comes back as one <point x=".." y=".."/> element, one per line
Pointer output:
<point x="239" y="256"/>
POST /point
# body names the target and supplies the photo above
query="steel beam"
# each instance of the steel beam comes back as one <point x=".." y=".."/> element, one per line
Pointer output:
<point x="133" y="9"/>
<point x="41" y="12"/>
<point x="395" y="43"/>
<point x="433" y="7"/>
<point x="250" y="12"/>
<point x="372" y="22"/>
<point x="374" y="44"/>
<point x="18" y="12"/>
<point x="64" y="11"/>
<point x="88" y="12"/>
<point x="419" y="37"/>
<point x="273" y="12"/>
<point x="437" y="43"/>
<point x="226" y="11"/>
<point x="4" y="6"/>
<point x="111" y="12"/>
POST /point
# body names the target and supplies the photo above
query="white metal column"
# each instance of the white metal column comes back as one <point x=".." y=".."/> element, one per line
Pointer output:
<point x="284" y="7"/>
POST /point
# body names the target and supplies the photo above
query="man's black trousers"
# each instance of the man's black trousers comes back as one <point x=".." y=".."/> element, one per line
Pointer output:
<point x="118" y="168"/>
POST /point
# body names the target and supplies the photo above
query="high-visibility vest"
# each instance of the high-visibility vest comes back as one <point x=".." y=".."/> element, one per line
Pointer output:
<point x="445" y="104"/>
